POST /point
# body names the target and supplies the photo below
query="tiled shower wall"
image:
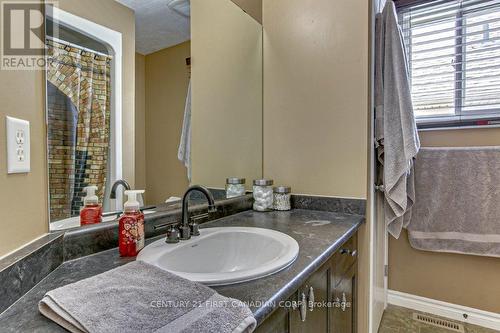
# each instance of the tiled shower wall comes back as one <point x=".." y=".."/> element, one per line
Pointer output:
<point x="70" y="170"/>
<point x="61" y="140"/>
<point x="78" y="91"/>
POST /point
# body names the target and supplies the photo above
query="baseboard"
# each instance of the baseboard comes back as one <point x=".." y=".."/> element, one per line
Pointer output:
<point x="448" y="310"/>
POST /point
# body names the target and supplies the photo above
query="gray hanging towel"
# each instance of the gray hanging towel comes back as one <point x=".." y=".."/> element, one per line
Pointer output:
<point x="139" y="297"/>
<point x="458" y="201"/>
<point x="395" y="127"/>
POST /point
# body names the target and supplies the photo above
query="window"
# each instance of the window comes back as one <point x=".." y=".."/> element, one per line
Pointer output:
<point x="453" y="50"/>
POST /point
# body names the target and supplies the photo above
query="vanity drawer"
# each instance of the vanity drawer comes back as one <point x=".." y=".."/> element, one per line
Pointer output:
<point x="344" y="258"/>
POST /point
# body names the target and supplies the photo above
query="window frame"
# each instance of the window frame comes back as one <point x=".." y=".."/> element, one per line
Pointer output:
<point x="488" y="117"/>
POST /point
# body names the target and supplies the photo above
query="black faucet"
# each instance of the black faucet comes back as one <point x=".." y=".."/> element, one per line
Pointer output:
<point x="187" y="229"/>
<point x="112" y="194"/>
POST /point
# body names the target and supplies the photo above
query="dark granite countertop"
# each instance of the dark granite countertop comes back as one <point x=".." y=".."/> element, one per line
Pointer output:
<point x="317" y="241"/>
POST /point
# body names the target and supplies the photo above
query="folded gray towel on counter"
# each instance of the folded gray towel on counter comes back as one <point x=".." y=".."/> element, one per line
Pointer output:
<point x="139" y="297"/>
<point x="458" y="201"/>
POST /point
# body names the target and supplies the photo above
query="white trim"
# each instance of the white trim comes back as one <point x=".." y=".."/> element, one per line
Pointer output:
<point x="448" y="310"/>
<point x="112" y="39"/>
<point x="377" y="301"/>
<point x="386" y="260"/>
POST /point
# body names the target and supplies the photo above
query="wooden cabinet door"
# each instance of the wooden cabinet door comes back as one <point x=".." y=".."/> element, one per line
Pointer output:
<point x="279" y="322"/>
<point x="336" y="279"/>
<point x="343" y="314"/>
<point x="316" y="317"/>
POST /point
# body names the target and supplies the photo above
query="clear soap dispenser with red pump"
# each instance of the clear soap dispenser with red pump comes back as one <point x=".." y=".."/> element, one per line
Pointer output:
<point x="131" y="226"/>
<point x="91" y="212"/>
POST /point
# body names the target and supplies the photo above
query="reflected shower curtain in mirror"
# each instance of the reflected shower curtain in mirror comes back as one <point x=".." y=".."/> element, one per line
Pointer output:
<point x="78" y="101"/>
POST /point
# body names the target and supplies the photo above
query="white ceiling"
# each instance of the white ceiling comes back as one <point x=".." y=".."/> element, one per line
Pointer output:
<point x="157" y="26"/>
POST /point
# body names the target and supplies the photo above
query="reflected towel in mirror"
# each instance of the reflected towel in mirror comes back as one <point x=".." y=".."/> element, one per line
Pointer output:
<point x="184" y="153"/>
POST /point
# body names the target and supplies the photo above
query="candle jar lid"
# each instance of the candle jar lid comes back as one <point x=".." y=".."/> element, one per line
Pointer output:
<point x="282" y="189"/>
<point x="235" y="180"/>
<point x="263" y="182"/>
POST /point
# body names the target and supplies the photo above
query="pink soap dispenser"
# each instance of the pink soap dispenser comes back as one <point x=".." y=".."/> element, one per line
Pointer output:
<point x="131" y="226"/>
<point x="91" y="212"/>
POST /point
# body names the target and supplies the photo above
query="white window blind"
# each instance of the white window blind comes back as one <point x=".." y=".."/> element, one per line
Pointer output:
<point x="453" y="50"/>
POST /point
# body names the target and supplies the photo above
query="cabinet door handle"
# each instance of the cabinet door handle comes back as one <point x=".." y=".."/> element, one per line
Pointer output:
<point x="352" y="253"/>
<point x="311" y="299"/>
<point x="343" y="304"/>
<point x="337" y="302"/>
<point x="303" y="307"/>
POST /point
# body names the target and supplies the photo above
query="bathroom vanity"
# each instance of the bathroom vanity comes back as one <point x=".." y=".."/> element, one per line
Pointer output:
<point x="326" y="302"/>
<point x="324" y="270"/>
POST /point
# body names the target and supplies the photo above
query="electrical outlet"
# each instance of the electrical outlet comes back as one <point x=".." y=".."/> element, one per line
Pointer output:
<point x="18" y="145"/>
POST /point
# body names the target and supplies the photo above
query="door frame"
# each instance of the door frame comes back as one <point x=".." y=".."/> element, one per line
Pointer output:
<point x="378" y="230"/>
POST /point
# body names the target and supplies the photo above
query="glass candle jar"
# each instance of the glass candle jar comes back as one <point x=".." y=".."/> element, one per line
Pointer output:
<point x="282" y="196"/>
<point x="235" y="187"/>
<point x="263" y="195"/>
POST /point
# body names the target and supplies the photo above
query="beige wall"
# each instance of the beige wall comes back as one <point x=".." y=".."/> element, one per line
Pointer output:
<point x="460" y="279"/>
<point x="251" y="7"/>
<point x="23" y="95"/>
<point x="226" y="93"/>
<point x="167" y="81"/>
<point x="23" y="197"/>
<point x="316" y="110"/>
<point x="316" y="60"/>
<point x="140" y="121"/>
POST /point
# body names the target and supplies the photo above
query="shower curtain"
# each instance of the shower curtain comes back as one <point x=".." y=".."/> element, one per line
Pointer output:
<point x="79" y="133"/>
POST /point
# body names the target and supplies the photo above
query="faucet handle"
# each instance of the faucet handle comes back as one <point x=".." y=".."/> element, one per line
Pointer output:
<point x="195" y="229"/>
<point x="172" y="235"/>
<point x="185" y="232"/>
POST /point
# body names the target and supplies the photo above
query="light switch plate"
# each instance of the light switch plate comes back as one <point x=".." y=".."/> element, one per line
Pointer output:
<point x="18" y="145"/>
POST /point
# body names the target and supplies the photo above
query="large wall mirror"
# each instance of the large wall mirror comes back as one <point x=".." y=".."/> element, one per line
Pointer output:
<point x="83" y="110"/>
<point x="198" y="104"/>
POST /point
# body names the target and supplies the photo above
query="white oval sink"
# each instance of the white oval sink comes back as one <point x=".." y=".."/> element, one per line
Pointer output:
<point x="227" y="255"/>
